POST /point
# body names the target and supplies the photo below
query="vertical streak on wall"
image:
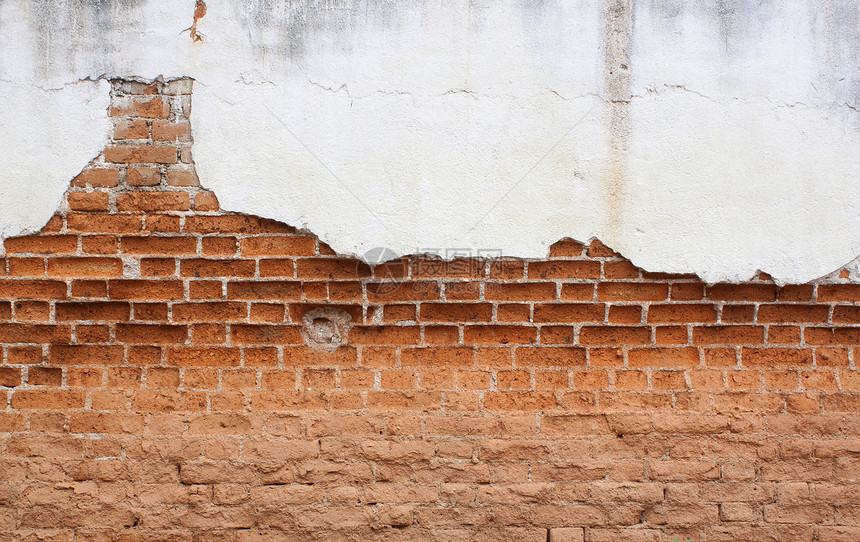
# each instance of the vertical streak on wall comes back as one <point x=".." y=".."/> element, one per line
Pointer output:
<point x="617" y="28"/>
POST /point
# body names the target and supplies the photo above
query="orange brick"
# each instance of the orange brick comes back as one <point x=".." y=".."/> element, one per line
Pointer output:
<point x="444" y="357"/>
<point x="150" y="245"/>
<point x="507" y="269"/>
<point x="728" y="335"/>
<point x="181" y="177"/>
<point x="48" y="399"/>
<point x="825" y="336"/>
<point x="140" y="154"/>
<point x="171" y="131"/>
<point x="42" y="244"/>
<point x="34" y="333"/>
<point x="27" y="267"/>
<point x="550" y="357"/>
<point x="265" y="245"/>
<point x="524" y="401"/>
<point x="845" y="293"/>
<point x="157" y="267"/>
<point x="499" y="334"/>
<point x="265" y="334"/>
<point x="620" y="270"/>
<point x="24" y="355"/>
<point x="568" y="312"/>
<point x="104" y="223"/>
<point x="130" y="129"/>
<point x="203" y="356"/>
<point x="97" y="178"/>
<point x="663" y="357"/>
<point x="632" y="291"/>
<point x="150" y="107"/>
<point x="668" y="380"/>
<point x="153" y="201"/>
<point x="151" y="333"/>
<point x="89" y="201"/>
<point x="462" y="291"/>
<point x="625" y="314"/>
<point x="146" y="289"/>
<point x="205" y="289"/>
<point x="143" y="176"/>
<point x="30" y="311"/>
<point x="737" y="314"/>
<point x="614" y="335"/>
<point x="155" y="312"/>
<point x="681" y="313"/>
<point x="220" y="246"/>
<point x="382" y="335"/>
<point x="631" y="380"/>
<point x="768" y="357"/>
<point x="210" y="268"/>
<point x="265" y="291"/>
<point x="32" y="289"/>
<point x="332" y="268"/>
<point x="223" y="311"/>
<point x="92" y="267"/>
<point x="205" y="201"/>
<point x="99" y="244"/>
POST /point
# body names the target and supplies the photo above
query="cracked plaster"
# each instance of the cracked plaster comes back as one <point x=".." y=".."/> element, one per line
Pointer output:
<point x="715" y="138"/>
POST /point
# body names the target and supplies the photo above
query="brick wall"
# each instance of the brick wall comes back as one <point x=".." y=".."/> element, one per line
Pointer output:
<point x="172" y="371"/>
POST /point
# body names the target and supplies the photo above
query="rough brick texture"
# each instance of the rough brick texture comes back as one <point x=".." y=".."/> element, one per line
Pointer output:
<point x="175" y="372"/>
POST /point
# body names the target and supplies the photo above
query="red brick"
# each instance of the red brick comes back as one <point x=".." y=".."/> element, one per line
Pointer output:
<point x="632" y="291"/>
<point x="205" y="289"/>
<point x="687" y="291"/>
<point x="846" y="314"/>
<point x="80" y="267"/>
<point x="206" y="268"/>
<point x="96" y="311"/>
<point x="393" y="292"/>
<point x="265" y="290"/>
<point x="151" y="333"/>
<point x="728" y="335"/>
<point x="663" y="357"/>
<point x="223" y="224"/>
<point x="737" y="314"/>
<point x="332" y="268"/>
<point x="183" y="177"/>
<point x="577" y="292"/>
<point x="203" y="357"/>
<point x="462" y="291"/>
<point x="596" y="249"/>
<point x="566" y="248"/>
<point x="550" y="357"/>
<point x="27" y="311"/>
<point x="10" y="378"/>
<point x="681" y="313"/>
<point x="150" y="245"/>
<point x="849" y="293"/>
<point x="146" y="289"/>
<point x="568" y="312"/>
<point x="507" y="269"/>
<point x="266" y="334"/>
<point x="456" y="312"/>
<point x="520" y="291"/>
<point x="620" y="270"/>
<point x="785" y="313"/>
<point x="560" y="269"/>
<point x="153" y="201"/>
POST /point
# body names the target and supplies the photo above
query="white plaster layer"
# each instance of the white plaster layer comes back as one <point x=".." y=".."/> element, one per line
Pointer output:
<point x="707" y="137"/>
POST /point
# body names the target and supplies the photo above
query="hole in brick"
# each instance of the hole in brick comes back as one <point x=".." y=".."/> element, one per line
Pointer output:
<point x="326" y="328"/>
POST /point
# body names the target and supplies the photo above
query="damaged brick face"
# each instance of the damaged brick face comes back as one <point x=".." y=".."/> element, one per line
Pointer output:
<point x="174" y="371"/>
